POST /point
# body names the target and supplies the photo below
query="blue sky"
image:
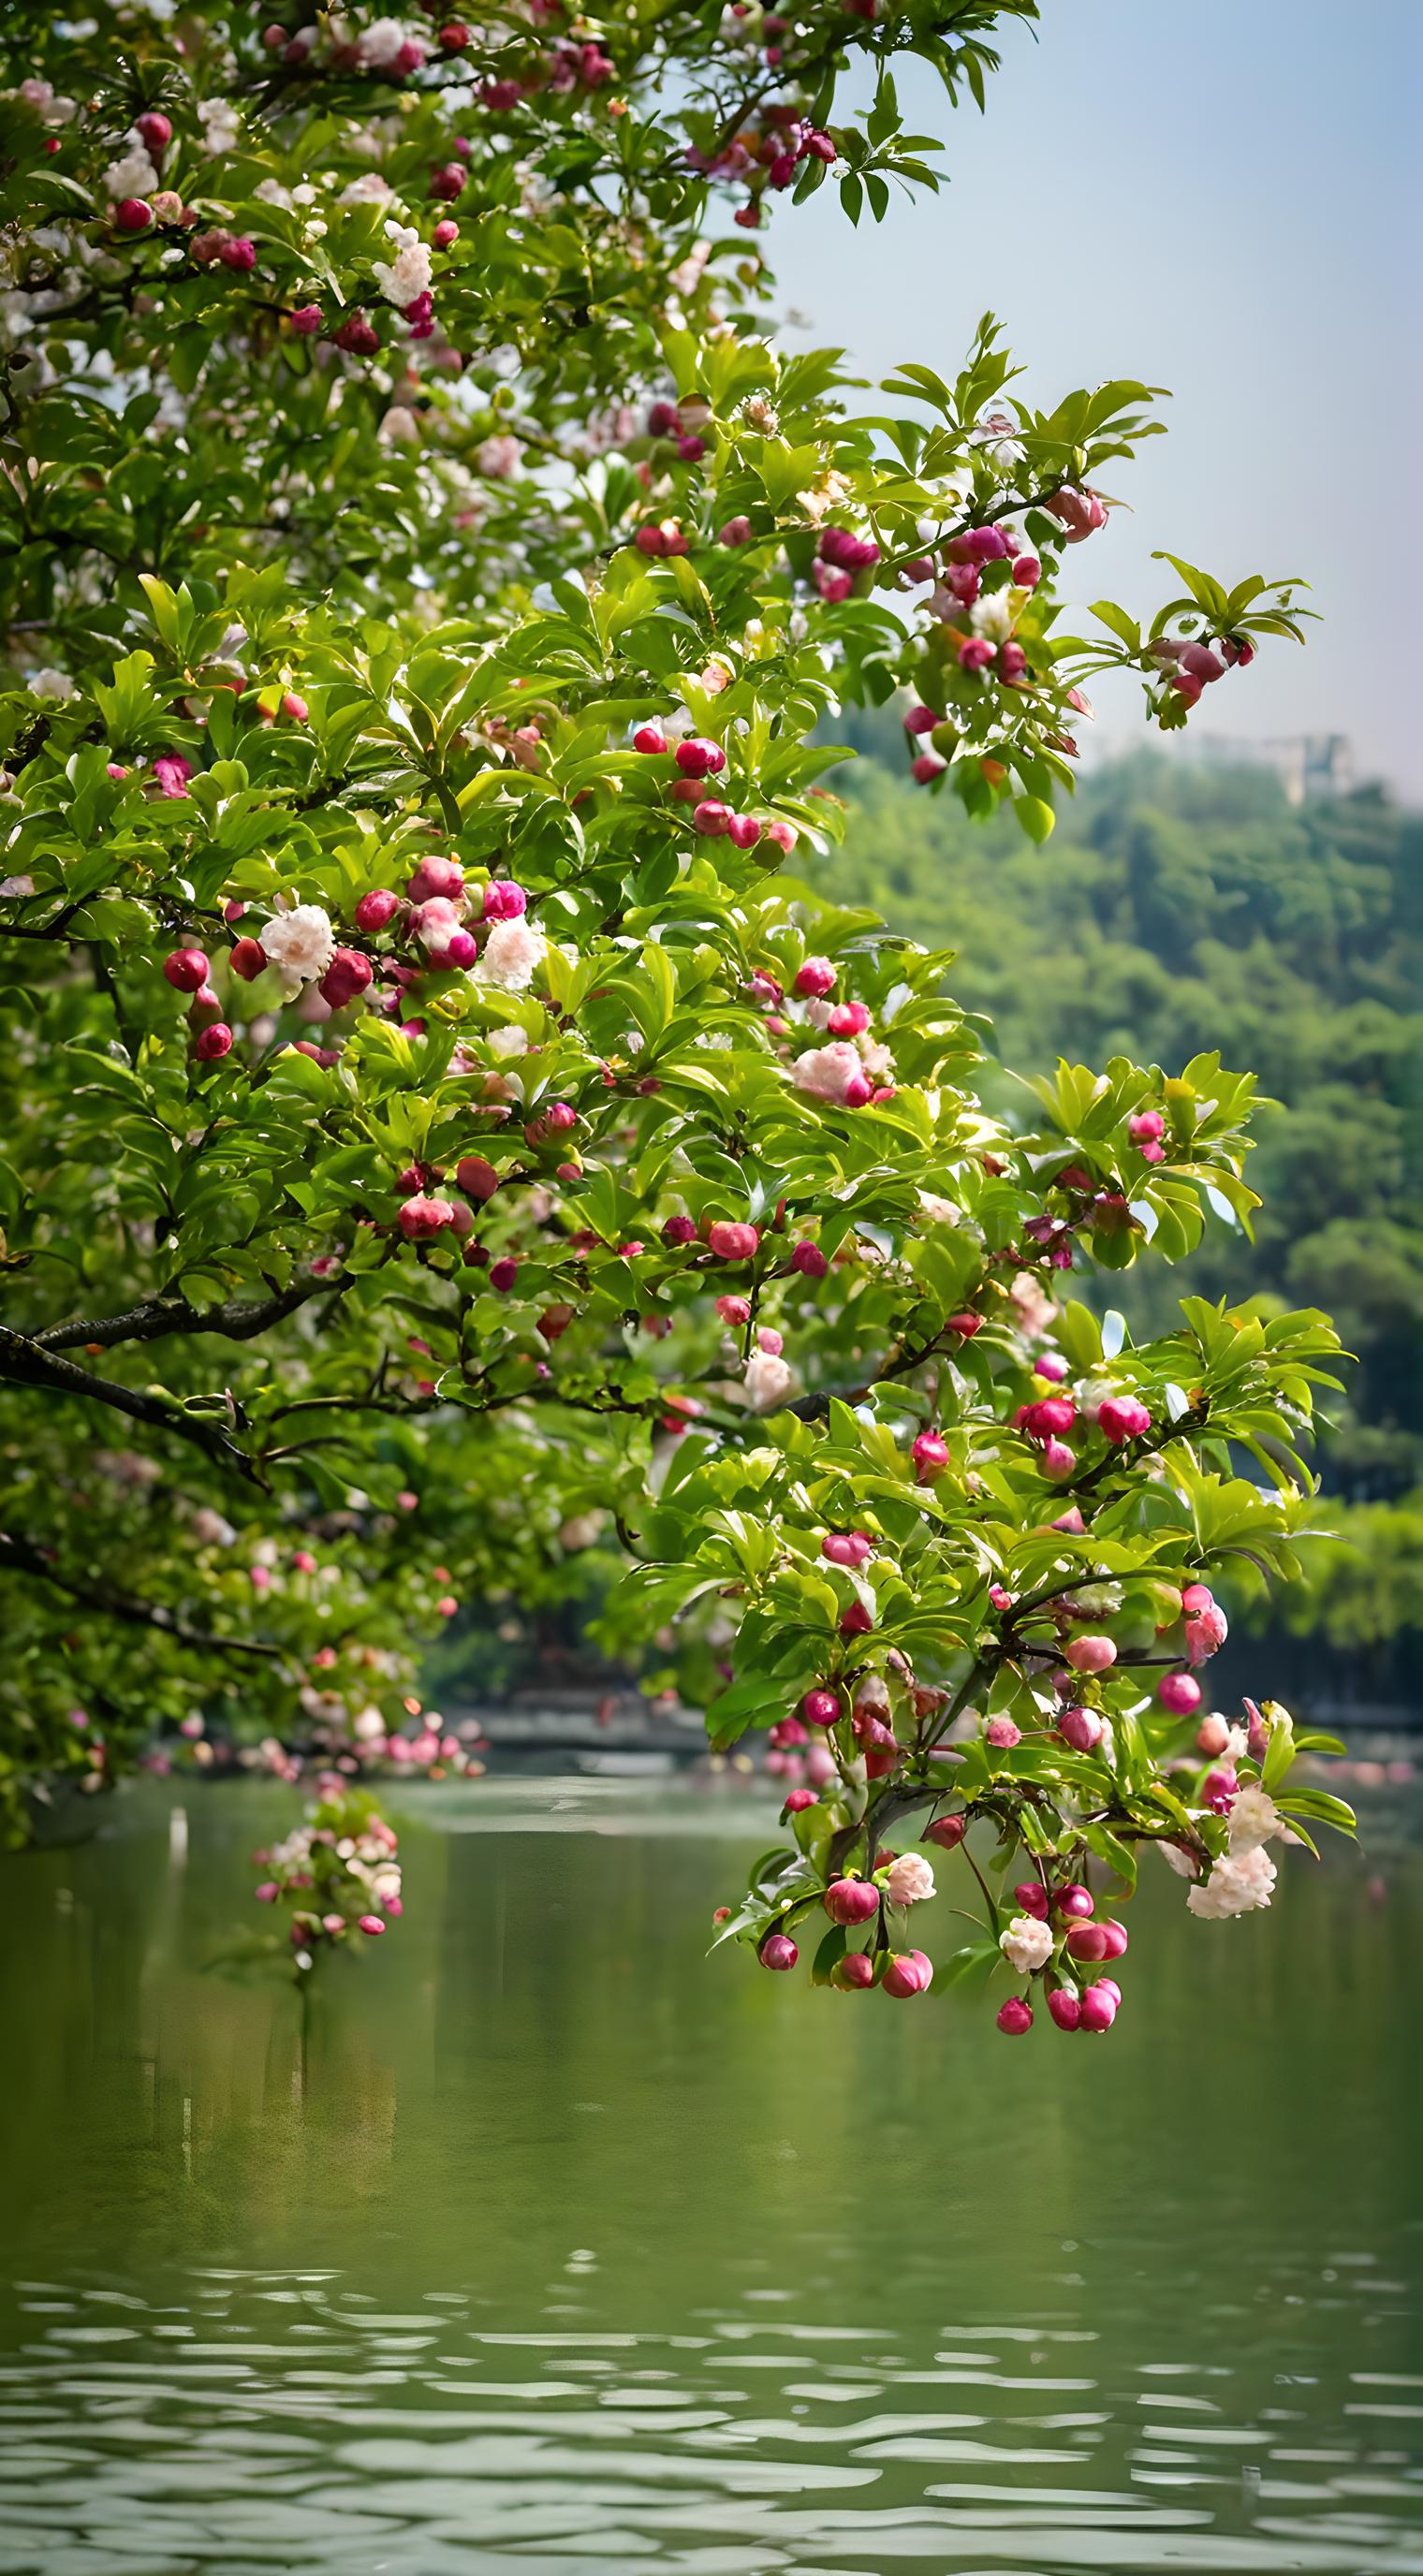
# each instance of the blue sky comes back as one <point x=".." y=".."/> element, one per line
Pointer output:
<point x="1221" y="198"/>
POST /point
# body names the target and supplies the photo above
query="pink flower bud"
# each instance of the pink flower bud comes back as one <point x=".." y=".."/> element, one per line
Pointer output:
<point x="1015" y="2016"/>
<point x="1146" y="1125"/>
<point x="921" y="720"/>
<point x="711" y="817"/>
<point x="908" y="1973"/>
<point x="1027" y="572"/>
<point x="781" y="834"/>
<point x="1098" y="2008"/>
<point x="735" y="532"/>
<point x="1058" y="1460"/>
<point x="927" y="768"/>
<point x="1002" y="1734"/>
<point x="1122" y="1417"/>
<point x="650" y="738"/>
<point x="856" y="1621"/>
<point x="930" y="1454"/>
<point x="848" y="1020"/>
<point x="946" y="1832"/>
<point x="809" y="1261"/>
<point x="1090" y="1654"/>
<point x="821" y="1707"/>
<point x="798" y="1801"/>
<point x="1081" y="1728"/>
<point x="186" y="969"/>
<point x="504" y="900"/>
<point x="503" y="1273"/>
<point x="855" y="1970"/>
<point x="1212" y="1737"/>
<point x="268" y="1892"/>
<point x="698" y="758"/>
<point x="132" y="215"/>
<point x="1115" y="1937"/>
<point x="743" y="831"/>
<point x="345" y="978"/>
<point x="1064" y="2008"/>
<point x="1031" y="1897"/>
<point x="421" y="1218"/>
<point x="850" y="1548"/>
<point x="370" y="1924"/>
<point x="778" y="1951"/>
<point x="213" y="1043"/>
<point x="1076" y="1902"/>
<point x="976" y="652"/>
<point x="1179" y="1694"/>
<point x="851" y="1900"/>
<point x="1220" y="1789"/>
<point x="1087" y="1941"/>
<point x="732" y="1242"/>
<point x="735" y="1311"/>
<point x="814" y="979"/>
<point x="307" y="319"/>
<point x="677" y="1231"/>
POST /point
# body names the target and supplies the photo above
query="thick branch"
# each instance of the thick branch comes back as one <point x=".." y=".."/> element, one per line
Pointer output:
<point x="238" y="1320"/>
<point x="17" y="1556"/>
<point x="24" y="1363"/>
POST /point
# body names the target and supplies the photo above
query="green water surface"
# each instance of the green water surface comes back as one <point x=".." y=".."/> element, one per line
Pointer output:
<point x="541" y="2242"/>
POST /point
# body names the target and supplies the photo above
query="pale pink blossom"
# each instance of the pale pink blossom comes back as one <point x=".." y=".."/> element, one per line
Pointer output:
<point x="300" y="944"/>
<point x="910" y="1880"/>
<point x="511" y="956"/>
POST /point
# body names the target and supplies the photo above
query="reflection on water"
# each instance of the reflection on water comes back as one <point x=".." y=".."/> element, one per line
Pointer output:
<point x="543" y="2242"/>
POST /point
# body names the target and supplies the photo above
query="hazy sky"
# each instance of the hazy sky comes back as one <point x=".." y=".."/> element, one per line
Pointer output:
<point x="1222" y="198"/>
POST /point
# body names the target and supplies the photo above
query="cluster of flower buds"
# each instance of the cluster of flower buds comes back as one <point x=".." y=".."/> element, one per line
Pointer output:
<point x="1055" y="1936"/>
<point x="841" y="558"/>
<point x="1193" y="666"/>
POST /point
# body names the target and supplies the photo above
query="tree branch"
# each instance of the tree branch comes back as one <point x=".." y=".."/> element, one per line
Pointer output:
<point x="238" y="1320"/>
<point x="18" y="1556"/>
<point x="24" y="1363"/>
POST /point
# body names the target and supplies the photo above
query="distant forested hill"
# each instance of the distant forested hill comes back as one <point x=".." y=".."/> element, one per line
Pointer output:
<point x="1178" y="908"/>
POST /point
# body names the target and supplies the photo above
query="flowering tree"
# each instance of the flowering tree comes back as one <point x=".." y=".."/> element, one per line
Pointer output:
<point x="444" y="1126"/>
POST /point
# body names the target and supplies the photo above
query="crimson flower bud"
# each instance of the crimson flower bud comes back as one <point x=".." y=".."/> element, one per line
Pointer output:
<point x="247" y="957"/>
<point x="698" y="758"/>
<point x="210" y="1043"/>
<point x="186" y="969"/>
<point x="348" y="975"/>
<point x="809" y="1261"/>
<point x="376" y="909"/>
<point x="908" y="1973"/>
<point x="931" y="1456"/>
<point x="851" y="1900"/>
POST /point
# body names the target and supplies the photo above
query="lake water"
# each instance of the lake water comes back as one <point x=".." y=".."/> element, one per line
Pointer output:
<point x="542" y="2242"/>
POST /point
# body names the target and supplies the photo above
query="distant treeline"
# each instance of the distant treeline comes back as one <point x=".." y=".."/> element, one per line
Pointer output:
<point x="1178" y="908"/>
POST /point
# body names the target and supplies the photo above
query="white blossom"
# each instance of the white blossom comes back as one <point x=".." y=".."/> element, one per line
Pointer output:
<point x="300" y="944"/>
<point x="508" y="1041"/>
<point x="993" y="615"/>
<point x="1254" y="1818"/>
<point x="369" y="189"/>
<point x="583" y="1529"/>
<point x="380" y="42"/>
<point x="911" y="1879"/>
<point x="400" y="280"/>
<point x="511" y="956"/>
<point x="133" y="176"/>
<point x="1236" y="1885"/>
<point x="52" y="684"/>
<point x="768" y="1378"/>
<point x="1027" y="1944"/>
<point x="221" y="124"/>
<point x="272" y="193"/>
<point x="210" y="1529"/>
